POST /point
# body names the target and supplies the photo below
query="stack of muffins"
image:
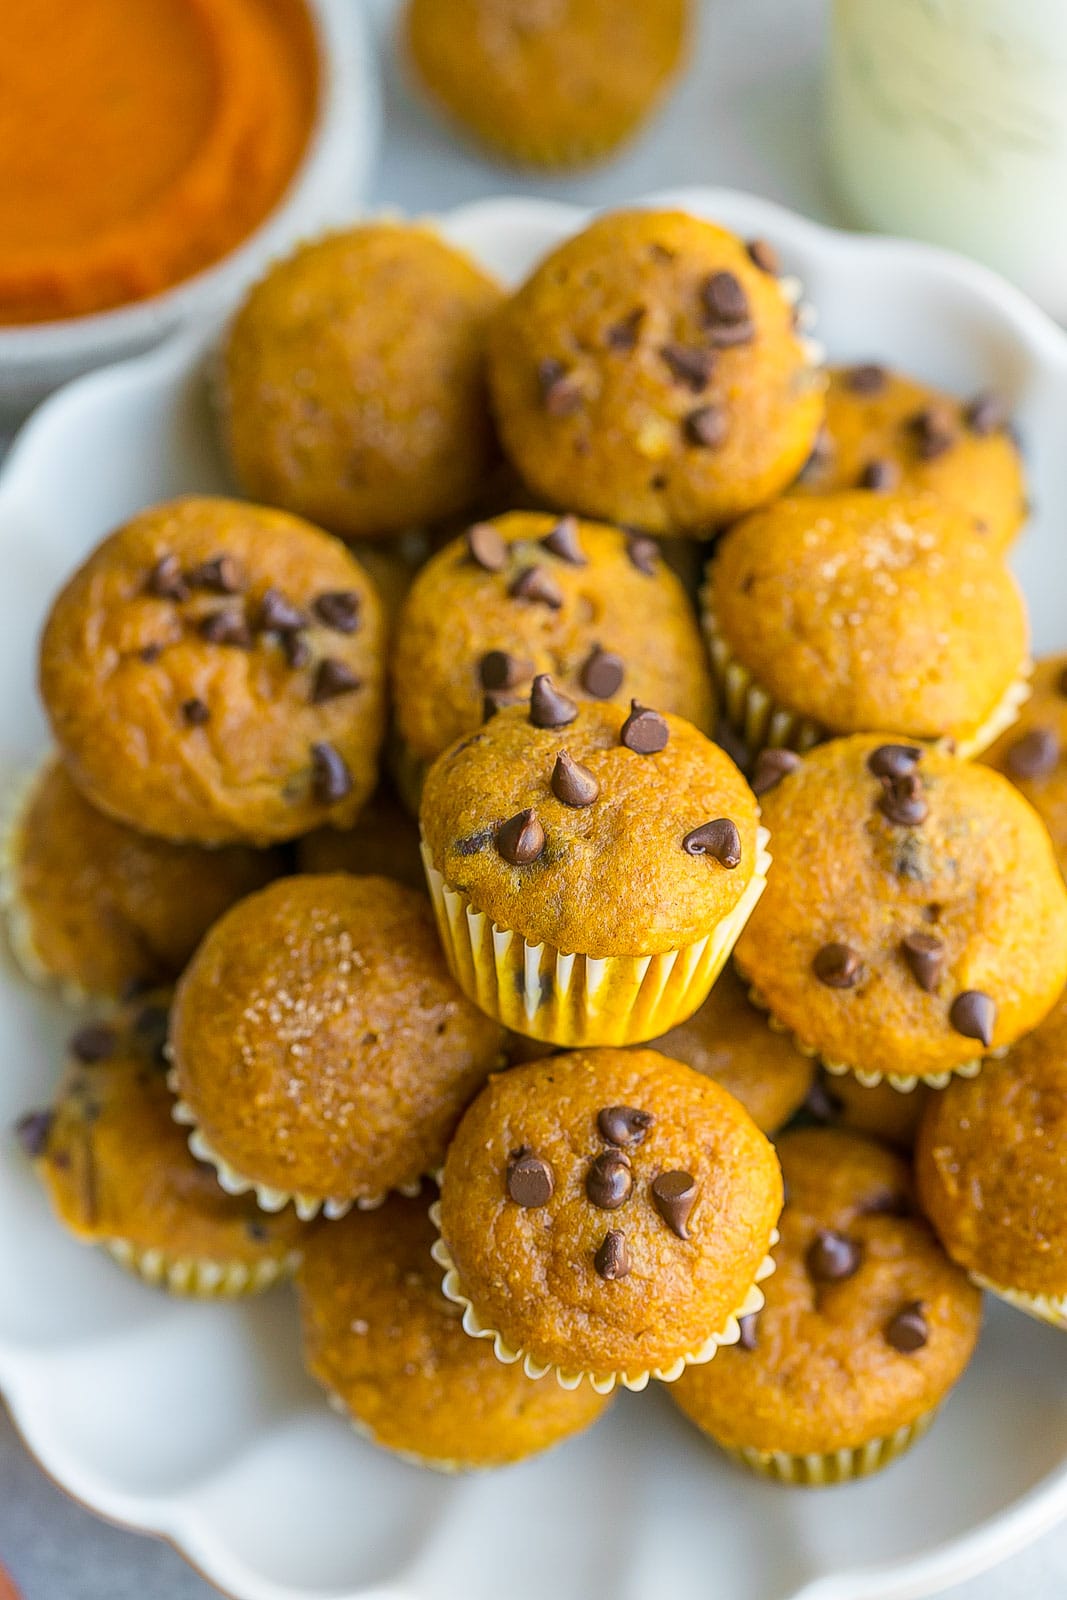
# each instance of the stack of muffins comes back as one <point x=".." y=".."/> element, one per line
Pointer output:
<point x="702" y="860"/>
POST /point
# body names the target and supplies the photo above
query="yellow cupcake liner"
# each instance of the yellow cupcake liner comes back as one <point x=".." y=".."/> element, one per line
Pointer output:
<point x="1050" y="1308"/>
<point x="537" y="990"/>
<point x="200" y="1277"/>
<point x="821" y="1470"/>
<point x="602" y="1382"/>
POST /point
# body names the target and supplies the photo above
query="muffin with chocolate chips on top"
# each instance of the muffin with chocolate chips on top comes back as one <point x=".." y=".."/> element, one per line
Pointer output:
<point x="213" y="674"/>
<point x="1033" y="752"/>
<point x="649" y="372"/>
<point x="607" y="1215"/>
<point x="867" y="1325"/>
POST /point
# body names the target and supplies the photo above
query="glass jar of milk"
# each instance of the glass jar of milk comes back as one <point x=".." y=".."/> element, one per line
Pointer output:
<point x="948" y="120"/>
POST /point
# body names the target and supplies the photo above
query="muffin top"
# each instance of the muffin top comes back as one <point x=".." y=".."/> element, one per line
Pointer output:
<point x="991" y="1164"/>
<point x="530" y="593"/>
<point x="213" y="674"/>
<point x="353" y="384"/>
<point x="648" y="372"/>
<point x="911" y="921"/>
<point x="607" y="1210"/>
<point x="1033" y="752"/>
<point x="867" y="1323"/>
<point x="887" y="431"/>
<point x="861" y="610"/>
<point x="624" y="863"/>
<point x="320" y="1043"/>
<point x="379" y="1334"/>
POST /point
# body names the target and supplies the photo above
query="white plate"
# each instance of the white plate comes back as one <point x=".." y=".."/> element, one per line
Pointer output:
<point x="195" y="1421"/>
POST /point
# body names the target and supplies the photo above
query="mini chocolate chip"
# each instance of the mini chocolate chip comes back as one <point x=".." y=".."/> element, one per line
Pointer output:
<point x="225" y="627"/>
<point x="724" y="298"/>
<point x="165" y="580"/>
<point x="549" y="706"/>
<point x="730" y="740"/>
<point x="561" y="394"/>
<point x="763" y="255"/>
<point x="612" y="1260"/>
<point x="867" y="378"/>
<point x="707" y="427"/>
<point x="95" y="1042"/>
<point x="530" y="1180"/>
<point x="602" y="674"/>
<point x="881" y="475"/>
<point x="935" y="431"/>
<point x="727" y="335"/>
<point x="537" y="584"/>
<point x="986" y="414"/>
<point x="747" y="1339"/>
<point x="32" y="1130"/>
<point x="521" y="838"/>
<point x="771" y="767"/>
<point x="195" y="712"/>
<point x="338" y="609"/>
<point x="643" y="553"/>
<point x="278" y="614"/>
<point x="908" y="1330"/>
<point x="297" y="650"/>
<point x="498" y="670"/>
<point x="719" y="839"/>
<point x="257" y="1231"/>
<point x="925" y="956"/>
<point x="623" y="335"/>
<point x="494" y="701"/>
<point x="572" y="783"/>
<point x="821" y="1103"/>
<point x="832" y="1256"/>
<point x="333" y="678"/>
<point x="623" y="1125"/>
<point x="563" y="542"/>
<point x="221" y="576"/>
<point x="609" y="1181"/>
<point x="690" y="364"/>
<point x="150" y="653"/>
<point x="903" y="801"/>
<point x="674" y="1195"/>
<point x="645" y="732"/>
<point x="473" y="842"/>
<point x="894" y="760"/>
<point x="974" y="1015"/>
<point x="838" y="966"/>
<point x="330" y="777"/>
<point x="1035" y="755"/>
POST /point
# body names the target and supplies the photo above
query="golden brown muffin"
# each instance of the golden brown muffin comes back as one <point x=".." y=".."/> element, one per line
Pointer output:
<point x="648" y="372"/>
<point x="213" y="674"/>
<point x="321" y="1051"/>
<point x="991" y="1165"/>
<point x="867" y="1324"/>
<point x="728" y="1040"/>
<point x="530" y="593"/>
<point x="877" y="1110"/>
<point x="1033" y="753"/>
<point x="392" y="567"/>
<point x="885" y="431"/>
<point x="384" y="841"/>
<point x="915" y="918"/>
<point x="119" y="1172"/>
<point x="391" y="1353"/>
<point x="590" y="868"/>
<point x="607" y="1214"/>
<point x="99" y="909"/>
<point x="549" y="85"/>
<point x="858" y="611"/>
<point x="353" y="385"/>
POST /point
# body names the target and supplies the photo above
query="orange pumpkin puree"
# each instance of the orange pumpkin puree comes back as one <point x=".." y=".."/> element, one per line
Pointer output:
<point x="140" y="140"/>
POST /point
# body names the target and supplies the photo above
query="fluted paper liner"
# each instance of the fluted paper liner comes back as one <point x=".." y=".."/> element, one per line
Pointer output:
<point x="1050" y="1308"/>
<point x="820" y="1470"/>
<point x="199" y="1276"/>
<point x="539" y="991"/>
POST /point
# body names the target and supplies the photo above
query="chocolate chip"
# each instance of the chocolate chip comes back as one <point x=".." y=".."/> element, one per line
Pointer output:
<point x="935" y="431"/>
<point x="32" y="1131"/>
<point x="572" y="783"/>
<point x="881" y="475"/>
<point x="887" y="1203"/>
<point x="690" y="364"/>
<point x="644" y="731"/>
<point x="338" y="609"/>
<point x="821" y="1103"/>
<point x="330" y="777"/>
<point x="771" y="767"/>
<point x="279" y="615"/>
<point x="719" y="839"/>
<point x="763" y="255"/>
<point x="563" y="542"/>
<point x="609" y="1181"/>
<point x="333" y="678"/>
<point x="165" y="580"/>
<point x="521" y="838"/>
<point x="725" y="299"/>
<point x="747" y="1339"/>
<point x="903" y="801"/>
<point x="150" y="653"/>
<point x="95" y="1042"/>
<point x="623" y="335"/>
<point x="707" y="427"/>
<point x="643" y="553"/>
<point x="612" y="1260"/>
<point x="1035" y="755"/>
<point x="195" y="712"/>
<point x="974" y="1015"/>
<point x="297" y="650"/>
<point x="498" y="670"/>
<point x="674" y="1195"/>
<point x="225" y="627"/>
<point x="986" y="414"/>
<point x="221" y="576"/>
<point x="473" y="842"/>
<point x="894" y="760"/>
<point x="537" y="584"/>
<point x="561" y="394"/>
<point x="623" y="1125"/>
<point x="495" y="701"/>
<point x="838" y="966"/>
<point x="549" y="706"/>
<point x="727" y="335"/>
<point x="832" y="1256"/>
<point x="530" y="1180"/>
<point x="602" y="674"/>
<point x="925" y="956"/>
<point x="908" y="1330"/>
<point x="867" y="378"/>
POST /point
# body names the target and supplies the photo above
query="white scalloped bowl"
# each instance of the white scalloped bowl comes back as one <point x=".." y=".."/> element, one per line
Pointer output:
<point x="195" y="1421"/>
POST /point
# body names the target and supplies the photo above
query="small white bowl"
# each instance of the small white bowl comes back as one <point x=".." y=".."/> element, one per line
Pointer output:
<point x="327" y="187"/>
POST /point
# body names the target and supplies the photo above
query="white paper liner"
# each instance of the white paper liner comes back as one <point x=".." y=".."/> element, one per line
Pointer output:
<point x="1051" y="1308"/>
<point x="821" y="1470"/>
<point x="200" y="1276"/>
<point x="539" y="991"/>
<point x="603" y="1383"/>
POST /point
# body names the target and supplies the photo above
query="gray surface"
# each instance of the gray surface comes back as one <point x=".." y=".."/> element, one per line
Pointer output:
<point x="747" y="116"/>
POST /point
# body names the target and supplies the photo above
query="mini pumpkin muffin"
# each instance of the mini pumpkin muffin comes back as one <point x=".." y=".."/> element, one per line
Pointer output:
<point x="728" y="1040"/>
<point x="213" y="674"/>
<point x="877" y="1110"/>
<point x="915" y="919"/>
<point x="353" y="386"/>
<point x="551" y="86"/>
<point x="1033" y="753"/>
<point x="606" y="1214"/>
<point x="120" y="1175"/>
<point x="99" y="909"/>
<point x="321" y="1051"/>
<point x="886" y="431"/>
<point x="391" y="1353"/>
<point x="867" y="1324"/>
<point x="590" y="868"/>
<point x="991" y="1164"/>
<point x="847" y="612"/>
<point x="649" y="372"/>
<point x="531" y="593"/>
<point x="384" y="841"/>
